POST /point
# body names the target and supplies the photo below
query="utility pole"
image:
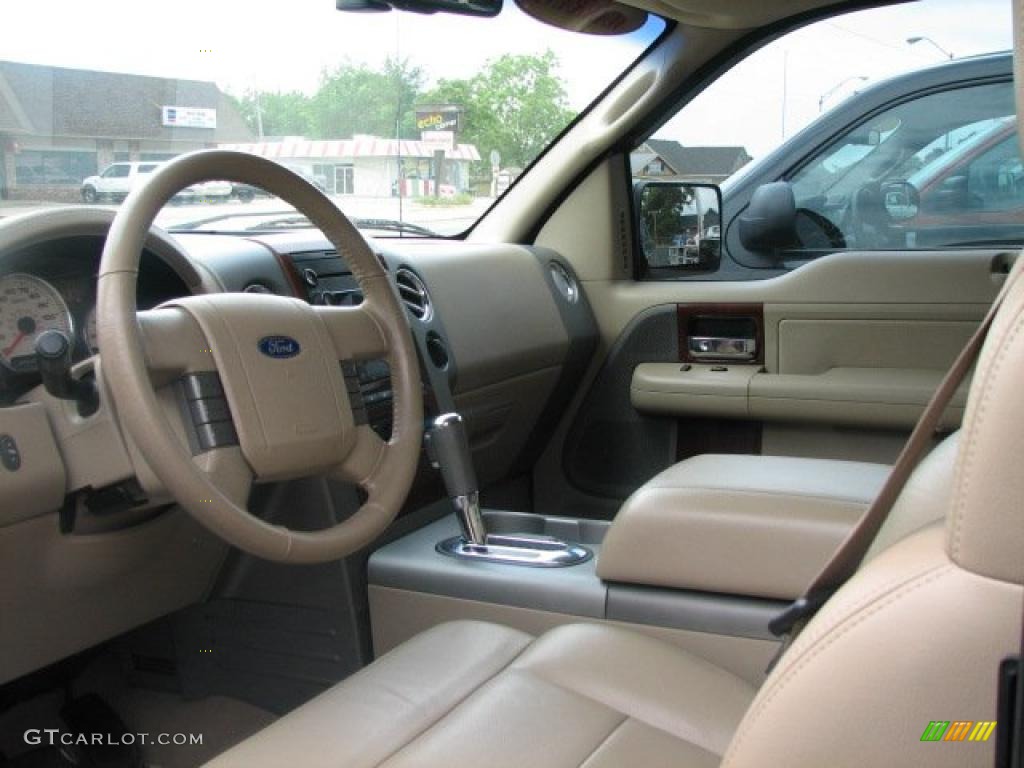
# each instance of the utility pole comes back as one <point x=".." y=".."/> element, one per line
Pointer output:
<point x="785" y="89"/>
<point x="259" y="116"/>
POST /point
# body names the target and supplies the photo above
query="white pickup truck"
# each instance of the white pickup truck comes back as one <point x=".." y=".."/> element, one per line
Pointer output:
<point x="118" y="179"/>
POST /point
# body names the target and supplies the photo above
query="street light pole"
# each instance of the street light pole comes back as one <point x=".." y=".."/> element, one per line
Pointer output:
<point x="926" y="39"/>
<point x="836" y="87"/>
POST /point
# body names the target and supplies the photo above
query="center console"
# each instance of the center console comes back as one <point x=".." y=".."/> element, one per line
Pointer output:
<point x="703" y="555"/>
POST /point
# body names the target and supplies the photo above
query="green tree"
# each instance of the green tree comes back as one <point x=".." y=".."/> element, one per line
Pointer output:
<point x="282" y="114"/>
<point x="516" y="104"/>
<point x="350" y="99"/>
<point x="663" y="209"/>
<point x="354" y="98"/>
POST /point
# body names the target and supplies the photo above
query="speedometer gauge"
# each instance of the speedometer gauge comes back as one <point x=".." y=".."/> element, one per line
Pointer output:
<point x="28" y="306"/>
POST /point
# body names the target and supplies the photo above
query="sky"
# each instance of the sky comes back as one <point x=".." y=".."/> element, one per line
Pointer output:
<point x="286" y="45"/>
<point x="278" y="46"/>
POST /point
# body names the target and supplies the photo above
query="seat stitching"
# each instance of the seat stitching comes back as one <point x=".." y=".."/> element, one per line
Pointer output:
<point x="860" y="500"/>
<point x="603" y="741"/>
<point x="607" y="705"/>
<point x="453" y="707"/>
<point x="838" y="632"/>
<point x="811" y="636"/>
<point x="965" y="475"/>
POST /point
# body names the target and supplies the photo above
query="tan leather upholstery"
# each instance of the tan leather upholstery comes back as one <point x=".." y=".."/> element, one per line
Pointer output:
<point x="480" y="694"/>
<point x="690" y="526"/>
<point x="918" y="633"/>
<point x="915" y="636"/>
<point x="924" y="499"/>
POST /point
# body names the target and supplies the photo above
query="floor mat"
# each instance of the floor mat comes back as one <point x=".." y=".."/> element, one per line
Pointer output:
<point x="209" y="726"/>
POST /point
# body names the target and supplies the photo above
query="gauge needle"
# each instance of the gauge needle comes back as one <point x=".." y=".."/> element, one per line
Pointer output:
<point x="17" y="340"/>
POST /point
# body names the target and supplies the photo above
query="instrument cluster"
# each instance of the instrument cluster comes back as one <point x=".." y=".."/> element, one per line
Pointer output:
<point x="52" y="286"/>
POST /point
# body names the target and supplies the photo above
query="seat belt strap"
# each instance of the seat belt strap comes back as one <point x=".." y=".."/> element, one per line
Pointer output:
<point x="851" y="552"/>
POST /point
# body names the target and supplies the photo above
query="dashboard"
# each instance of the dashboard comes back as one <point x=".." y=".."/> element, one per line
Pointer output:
<point x="503" y="336"/>
<point x="52" y="286"/>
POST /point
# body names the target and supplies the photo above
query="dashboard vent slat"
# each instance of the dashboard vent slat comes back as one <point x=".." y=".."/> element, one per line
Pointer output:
<point x="413" y="293"/>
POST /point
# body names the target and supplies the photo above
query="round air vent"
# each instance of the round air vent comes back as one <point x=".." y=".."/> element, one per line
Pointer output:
<point x="565" y="283"/>
<point x="414" y="293"/>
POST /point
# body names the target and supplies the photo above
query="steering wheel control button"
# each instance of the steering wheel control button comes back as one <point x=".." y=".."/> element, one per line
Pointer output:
<point x="350" y="372"/>
<point x="10" y="456"/>
<point x="209" y="409"/>
<point x="216" y="435"/>
<point x="203" y="385"/>
<point x="208" y="412"/>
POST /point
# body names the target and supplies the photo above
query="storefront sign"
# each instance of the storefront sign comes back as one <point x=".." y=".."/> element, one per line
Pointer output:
<point x="438" y="140"/>
<point x="437" y="120"/>
<point x="188" y="117"/>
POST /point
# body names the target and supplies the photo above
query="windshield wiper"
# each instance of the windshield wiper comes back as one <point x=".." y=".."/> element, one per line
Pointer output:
<point x="393" y="225"/>
<point x="194" y="225"/>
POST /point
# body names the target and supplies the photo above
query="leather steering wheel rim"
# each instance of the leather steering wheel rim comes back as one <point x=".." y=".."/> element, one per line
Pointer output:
<point x="130" y="351"/>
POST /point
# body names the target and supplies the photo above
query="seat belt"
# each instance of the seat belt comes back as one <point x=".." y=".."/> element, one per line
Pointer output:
<point x="848" y="557"/>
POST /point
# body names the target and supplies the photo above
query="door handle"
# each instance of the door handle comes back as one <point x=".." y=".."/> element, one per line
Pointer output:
<point x="722" y="348"/>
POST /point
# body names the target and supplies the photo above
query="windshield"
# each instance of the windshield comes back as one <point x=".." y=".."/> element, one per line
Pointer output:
<point x="412" y="124"/>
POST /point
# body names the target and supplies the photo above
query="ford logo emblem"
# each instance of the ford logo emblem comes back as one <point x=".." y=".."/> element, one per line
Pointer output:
<point x="279" y="347"/>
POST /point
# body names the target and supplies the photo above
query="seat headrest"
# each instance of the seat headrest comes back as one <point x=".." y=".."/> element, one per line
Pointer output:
<point x="985" y="529"/>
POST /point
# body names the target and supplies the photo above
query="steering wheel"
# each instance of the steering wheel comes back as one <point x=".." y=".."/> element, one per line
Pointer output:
<point x="279" y="363"/>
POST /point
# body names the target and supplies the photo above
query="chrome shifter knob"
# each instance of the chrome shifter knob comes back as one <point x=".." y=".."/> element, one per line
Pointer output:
<point x="448" y="448"/>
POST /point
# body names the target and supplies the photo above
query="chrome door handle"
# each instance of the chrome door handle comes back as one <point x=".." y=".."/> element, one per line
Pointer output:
<point x="720" y="348"/>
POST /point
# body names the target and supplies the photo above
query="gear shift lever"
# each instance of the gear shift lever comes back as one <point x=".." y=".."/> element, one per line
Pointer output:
<point x="448" y="448"/>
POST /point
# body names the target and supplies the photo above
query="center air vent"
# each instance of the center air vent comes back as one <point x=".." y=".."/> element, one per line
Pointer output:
<point x="414" y="293"/>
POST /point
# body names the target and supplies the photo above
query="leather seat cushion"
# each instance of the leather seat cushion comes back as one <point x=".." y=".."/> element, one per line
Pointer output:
<point x="580" y="695"/>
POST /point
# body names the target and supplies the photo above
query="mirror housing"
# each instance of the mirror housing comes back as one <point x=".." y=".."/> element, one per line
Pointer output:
<point x="769" y="222"/>
<point x="486" y="8"/>
<point x="901" y="199"/>
<point x="679" y="224"/>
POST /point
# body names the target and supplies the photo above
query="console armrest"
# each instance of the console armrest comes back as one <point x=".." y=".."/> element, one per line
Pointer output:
<point x="743" y="525"/>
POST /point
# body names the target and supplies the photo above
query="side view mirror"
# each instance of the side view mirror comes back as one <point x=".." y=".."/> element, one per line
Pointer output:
<point x="901" y="199"/>
<point x="769" y="222"/>
<point x="680" y="223"/>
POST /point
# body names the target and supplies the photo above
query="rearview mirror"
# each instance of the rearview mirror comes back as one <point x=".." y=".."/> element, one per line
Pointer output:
<point x="769" y="223"/>
<point x="680" y="224"/>
<point x="485" y="8"/>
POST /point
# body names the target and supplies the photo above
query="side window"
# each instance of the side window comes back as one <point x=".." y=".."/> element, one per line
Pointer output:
<point x="893" y="128"/>
<point x="940" y="170"/>
<point x="995" y="180"/>
<point x="116" y="172"/>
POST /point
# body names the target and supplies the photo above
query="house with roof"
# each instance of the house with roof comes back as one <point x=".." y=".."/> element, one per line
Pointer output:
<point x="371" y="166"/>
<point x="59" y="125"/>
<point x="671" y="161"/>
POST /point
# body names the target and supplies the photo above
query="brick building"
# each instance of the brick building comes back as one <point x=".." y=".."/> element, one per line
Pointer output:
<point x="58" y="125"/>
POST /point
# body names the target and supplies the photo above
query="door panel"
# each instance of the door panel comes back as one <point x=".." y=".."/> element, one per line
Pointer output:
<point x="853" y="344"/>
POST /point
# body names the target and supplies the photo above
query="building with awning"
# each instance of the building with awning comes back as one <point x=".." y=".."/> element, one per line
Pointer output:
<point x="370" y="166"/>
<point x="60" y="125"/>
